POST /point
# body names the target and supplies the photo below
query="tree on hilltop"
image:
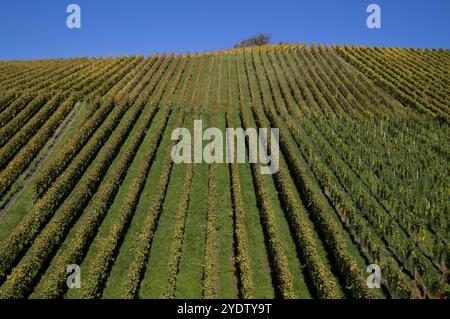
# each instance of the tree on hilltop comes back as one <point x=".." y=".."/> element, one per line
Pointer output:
<point x="257" y="40"/>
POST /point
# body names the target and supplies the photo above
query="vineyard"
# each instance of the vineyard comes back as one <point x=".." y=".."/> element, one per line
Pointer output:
<point x="87" y="177"/>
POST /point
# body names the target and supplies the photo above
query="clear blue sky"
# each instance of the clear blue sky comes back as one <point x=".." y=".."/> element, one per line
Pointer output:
<point x="37" y="28"/>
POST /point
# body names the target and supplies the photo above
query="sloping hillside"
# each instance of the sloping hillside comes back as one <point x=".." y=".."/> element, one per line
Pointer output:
<point x="87" y="175"/>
